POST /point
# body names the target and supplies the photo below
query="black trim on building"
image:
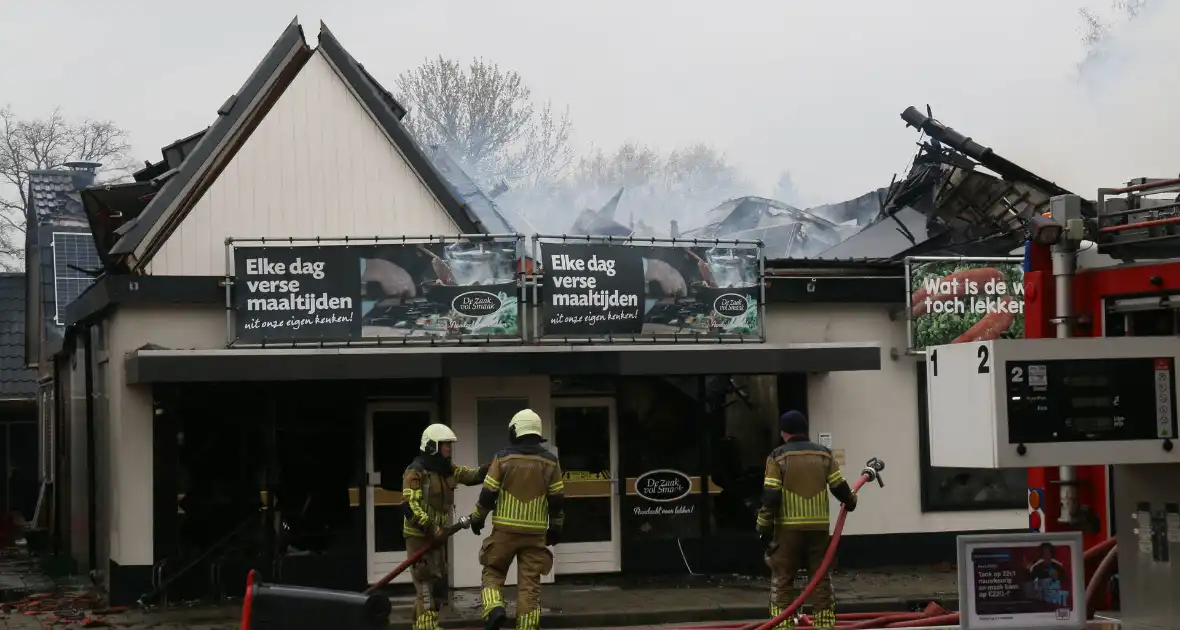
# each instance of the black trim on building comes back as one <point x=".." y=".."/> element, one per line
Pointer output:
<point x="835" y="290"/>
<point x="236" y="120"/>
<point x="144" y="290"/>
<point x="289" y="364"/>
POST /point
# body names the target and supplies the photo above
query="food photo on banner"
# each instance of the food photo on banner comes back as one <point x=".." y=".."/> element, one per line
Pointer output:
<point x="1018" y="581"/>
<point x="959" y="301"/>
<point x="381" y="291"/>
<point x="607" y="289"/>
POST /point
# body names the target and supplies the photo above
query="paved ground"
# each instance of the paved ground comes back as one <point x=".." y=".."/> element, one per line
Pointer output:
<point x="585" y="603"/>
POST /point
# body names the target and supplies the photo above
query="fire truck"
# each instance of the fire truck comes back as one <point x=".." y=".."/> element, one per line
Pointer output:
<point x="1087" y="400"/>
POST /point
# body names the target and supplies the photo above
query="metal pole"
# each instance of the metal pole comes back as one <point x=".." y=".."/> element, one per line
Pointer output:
<point x="965" y="258"/>
<point x="909" y="311"/>
<point x="1065" y="264"/>
<point x="229" y="282"/>
<point x="640" y="240"/>
<point x="761" y="293"/>
<point x="369" y="240"/>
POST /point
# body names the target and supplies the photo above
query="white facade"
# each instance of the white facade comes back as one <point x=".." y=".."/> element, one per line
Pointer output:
<point x="874" y="414"/>
<point x="869" y="414"/>
<point x="317" y="165"/>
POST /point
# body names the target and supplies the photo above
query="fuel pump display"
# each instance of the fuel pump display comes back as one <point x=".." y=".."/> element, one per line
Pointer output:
<point x="1090" y="400"/>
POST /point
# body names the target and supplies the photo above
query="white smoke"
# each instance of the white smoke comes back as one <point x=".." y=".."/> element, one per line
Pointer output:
<point x="1111" y="119"/>
<point x="656" y="191"/>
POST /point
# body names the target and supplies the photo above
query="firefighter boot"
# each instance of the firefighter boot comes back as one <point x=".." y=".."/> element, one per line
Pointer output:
<point x="494" y="615"/>
<point x="530" y="620"/>
<point x="427" y="621"/>
<point x="787" y="624"/>
<point x="425" y="607"/>
<point x="824" y="619"/>
<point x="495" y="618"/>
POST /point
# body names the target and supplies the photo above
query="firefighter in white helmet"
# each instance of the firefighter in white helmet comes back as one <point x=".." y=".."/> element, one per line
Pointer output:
<point x="428" y="498"/>
<point x="524" y="489"/>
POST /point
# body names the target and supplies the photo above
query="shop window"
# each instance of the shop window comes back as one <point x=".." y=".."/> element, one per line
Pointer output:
<point x="397" y="434"/>
<point x="660" y="438"/>
<point x="492" y="416"/>
<point x="743" y="414"/>
<point x="582" y="435"/>
<point x="963" y="489"/>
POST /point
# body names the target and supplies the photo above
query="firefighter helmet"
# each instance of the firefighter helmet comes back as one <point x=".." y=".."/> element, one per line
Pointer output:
<point x="434" y="435"/>
<point x="525" y="422"/>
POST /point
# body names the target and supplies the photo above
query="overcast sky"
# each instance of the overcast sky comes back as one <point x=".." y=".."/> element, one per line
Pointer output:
<point x="812" y="88"/>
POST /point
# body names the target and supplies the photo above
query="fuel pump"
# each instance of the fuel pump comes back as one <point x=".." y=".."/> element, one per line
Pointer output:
<point x="1072" y="404"/>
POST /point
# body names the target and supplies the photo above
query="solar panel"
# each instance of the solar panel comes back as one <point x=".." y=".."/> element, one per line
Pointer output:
<point x="72" y="251"/>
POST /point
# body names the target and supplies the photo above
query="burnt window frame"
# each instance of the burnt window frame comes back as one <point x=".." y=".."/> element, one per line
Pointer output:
<point x="928" y="482"/>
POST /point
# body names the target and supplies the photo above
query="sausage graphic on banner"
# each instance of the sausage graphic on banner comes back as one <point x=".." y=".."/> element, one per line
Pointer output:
<point x="958" y="301"/>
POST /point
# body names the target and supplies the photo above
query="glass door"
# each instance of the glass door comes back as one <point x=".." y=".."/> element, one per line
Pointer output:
<point x="585" y="438"/>
<point x="392" y="434"/>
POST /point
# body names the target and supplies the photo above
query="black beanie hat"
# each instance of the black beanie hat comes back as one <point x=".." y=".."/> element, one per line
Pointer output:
<point x="793" y="422"/>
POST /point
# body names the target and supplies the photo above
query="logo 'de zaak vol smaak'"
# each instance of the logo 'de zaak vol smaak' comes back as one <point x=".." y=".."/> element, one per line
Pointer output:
<point x="476" y="303"/>
<point x="731" y="305"/>
<point x="663" y="486"/>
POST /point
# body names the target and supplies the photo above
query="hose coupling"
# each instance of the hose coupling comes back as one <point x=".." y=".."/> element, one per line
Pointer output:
<point x="872" y="471"/>
<point x="464" y="522"/>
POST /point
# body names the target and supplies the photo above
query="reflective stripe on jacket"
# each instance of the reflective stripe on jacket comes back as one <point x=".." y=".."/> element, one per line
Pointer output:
<point x="795" y="488"/>
<point x="428" y="497"/>
<point x="524" y="490"/>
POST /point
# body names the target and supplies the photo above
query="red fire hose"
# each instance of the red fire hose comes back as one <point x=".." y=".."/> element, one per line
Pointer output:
<point x="872" y="471"/>
<point x="461" y="524"/>
<point x="934" y="615"/>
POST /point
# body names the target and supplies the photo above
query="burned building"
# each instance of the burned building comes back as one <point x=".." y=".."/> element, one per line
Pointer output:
<point x="231" y="415"/>
<point x="958" y="198"/>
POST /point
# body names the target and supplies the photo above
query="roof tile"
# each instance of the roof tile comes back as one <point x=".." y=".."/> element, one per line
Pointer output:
<point x="16" y="380"/>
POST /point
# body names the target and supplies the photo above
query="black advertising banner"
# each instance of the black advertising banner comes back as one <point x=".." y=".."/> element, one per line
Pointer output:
<point x="369" y="292"/>
<point x="662" y="504"/>
<point x="603" y="289"/>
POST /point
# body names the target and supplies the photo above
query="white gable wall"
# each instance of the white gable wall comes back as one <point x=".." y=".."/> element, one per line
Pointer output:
<point x="317" y="165"/>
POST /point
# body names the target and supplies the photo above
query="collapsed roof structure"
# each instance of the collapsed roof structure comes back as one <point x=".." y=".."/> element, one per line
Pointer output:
<point x="958" y="198"/>
<point x="947" y="204"/>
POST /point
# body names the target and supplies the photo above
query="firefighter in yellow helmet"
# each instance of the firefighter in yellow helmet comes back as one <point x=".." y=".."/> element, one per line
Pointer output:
<point x="793" y="520"/>
<point x="428" y="498"/>
<point x="524" y="489"/>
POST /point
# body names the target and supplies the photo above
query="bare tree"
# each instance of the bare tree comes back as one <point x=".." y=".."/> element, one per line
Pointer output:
<point x="1096" y="29"/>
<point x="28" y="144"/>
<point x="657" y="187"/>
<point x="485" y="118"/>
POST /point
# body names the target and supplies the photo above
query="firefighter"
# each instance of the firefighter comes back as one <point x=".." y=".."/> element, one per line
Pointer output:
<point x="793" y="520"/>
<point x="525" y="490"/>
<point x="428" y="488"/>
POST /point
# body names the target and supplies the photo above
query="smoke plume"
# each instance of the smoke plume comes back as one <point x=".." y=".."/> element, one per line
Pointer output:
<point x="1114" y="117"/>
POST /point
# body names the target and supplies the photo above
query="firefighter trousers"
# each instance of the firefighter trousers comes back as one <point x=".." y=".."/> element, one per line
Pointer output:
<point x="533" y="559"/>
<point x="795" y="549"/>
<point x="428" y="575"/>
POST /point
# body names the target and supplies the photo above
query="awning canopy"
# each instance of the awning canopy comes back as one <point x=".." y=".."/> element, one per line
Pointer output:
<point x="147" y="366"/>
